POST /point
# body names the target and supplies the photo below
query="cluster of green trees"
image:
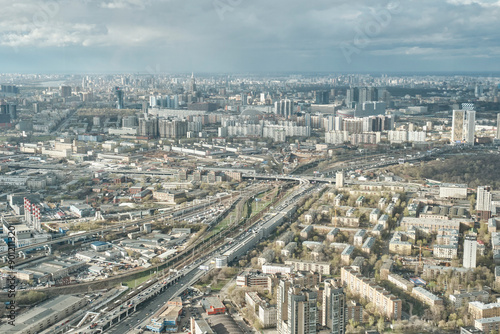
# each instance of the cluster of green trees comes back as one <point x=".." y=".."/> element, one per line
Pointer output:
<point x="473" y="170"/>
<point x="30" y="297"/>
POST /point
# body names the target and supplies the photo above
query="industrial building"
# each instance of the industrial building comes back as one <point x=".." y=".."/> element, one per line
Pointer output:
<point x="44" y="315"/>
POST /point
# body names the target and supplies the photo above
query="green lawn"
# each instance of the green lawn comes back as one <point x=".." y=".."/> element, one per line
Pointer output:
<point x="220" y="284"/>
<point x="132" y="283"/>
<point x="223" y="224"/>
<point x="258" y="206"/>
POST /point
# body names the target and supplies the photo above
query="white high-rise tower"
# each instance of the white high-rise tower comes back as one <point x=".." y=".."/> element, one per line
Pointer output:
<point x="470" y="249"/>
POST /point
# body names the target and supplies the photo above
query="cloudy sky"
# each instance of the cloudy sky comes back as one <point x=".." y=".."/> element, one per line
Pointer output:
<point x="88" y="36"/>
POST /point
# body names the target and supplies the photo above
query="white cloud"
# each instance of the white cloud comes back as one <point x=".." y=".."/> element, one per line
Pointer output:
<point x="124" y="4"/>
<point x="279" y="32"/>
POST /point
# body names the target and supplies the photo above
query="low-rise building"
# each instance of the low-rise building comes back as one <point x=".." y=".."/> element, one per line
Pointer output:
<point x="386" y="269"/>
<point x="432" y="225"/>
<point x="426" y="296"/>
<point x="460" y="299"/>
<point x="445" y="251"/>
<point x="274" y="268"/>
<point x="479" y="310"/>
<point x="200" y="326"/>
<point x="377" y="229"/>
<point x="454" y="191"/>
<point x="330" y="236"/>
<point x="284" y="239"/>
<point x="398" y="246"/>
<point x="44" y="315"/>
<point x="212" y="305"/>
<point x="368" y="245"/>
<point x="82" y="210"/>
<point x="266" y="257"/>
<point x="254" y="280"/>
<point x="488" y="325"/>
<point x="358" y="237"/>
<point x="167" y="319"/>
<point x="289" y="249"/>
<point x="306" y="232"/>
<point x="385" y="303"/>
<point x="169" y="197"/>
<point x="346" y="254"/>
<point x="400" y="282"/>
<point x="316" y="267"/>
<point x="374" y="214"/>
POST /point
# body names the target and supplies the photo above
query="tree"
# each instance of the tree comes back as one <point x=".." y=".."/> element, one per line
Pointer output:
<point x="380" y="324"/>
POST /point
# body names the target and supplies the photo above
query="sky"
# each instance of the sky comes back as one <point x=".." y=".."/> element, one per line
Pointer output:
<point x="236" y="36"/>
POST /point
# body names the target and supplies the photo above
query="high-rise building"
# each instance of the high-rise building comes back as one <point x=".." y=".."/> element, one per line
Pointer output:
<point x="153" y="101"/>
<point x="334" y="307"/>
<point x="284" y="108"/>
<point x="172" y="129"/>
<point x="65" y="91"/>
<point x="322" y="97"/>
<point x="129" y="121"/>
<point x="483" y="203"/>
<point x="297" y="309"/>
<point x="12" y="111"/>
<point x="498" y="125"/>
<point x="367" y="94"/>
<point x="470" y="249"/>
<point x="307" y="119"/>
<point x="352" y="95"/>
<point x="36" y="108"/>
<point x="463" y="127"/>
<point x="119" y="98"/>
<point x="148" y="127"/>
<point x="9" y="89"/>
<point x="478" y="90"/>
<point x="192" y="84"/>
<point x="339" y="179"/>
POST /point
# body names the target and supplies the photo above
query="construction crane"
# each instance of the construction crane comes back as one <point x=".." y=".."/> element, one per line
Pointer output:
<point x="336" y="219"/>
<point x="420" y="253"/>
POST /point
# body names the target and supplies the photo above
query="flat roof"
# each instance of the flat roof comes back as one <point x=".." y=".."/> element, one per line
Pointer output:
<point x="488" y="320"/>
<point x="426" y="293"/>
<point x="99" y="243"/>
<point x="483" y="306"/>
<point x="171" y="313"/>
<point x="212" y="302"/>
<point x="40" y="312"/>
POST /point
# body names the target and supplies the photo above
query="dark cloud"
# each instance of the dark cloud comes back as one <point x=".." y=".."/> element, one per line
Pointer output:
<point x="241" y="36"/>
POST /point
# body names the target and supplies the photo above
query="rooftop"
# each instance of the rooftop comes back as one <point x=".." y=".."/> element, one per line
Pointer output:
<point x="40" y="312"/>
<point x="426" y="293"/>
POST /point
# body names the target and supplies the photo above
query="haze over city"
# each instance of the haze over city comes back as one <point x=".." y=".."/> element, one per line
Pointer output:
<point x="230" y="166"/>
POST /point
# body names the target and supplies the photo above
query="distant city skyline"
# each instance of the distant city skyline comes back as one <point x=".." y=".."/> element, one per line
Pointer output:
<point x="233" y="36"/>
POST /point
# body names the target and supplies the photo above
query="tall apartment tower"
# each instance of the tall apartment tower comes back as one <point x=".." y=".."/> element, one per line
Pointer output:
<point x="334" y="307"/>
<point x="119" y="98"/>
<point x="282" y="307"/>
<point x="192" y="84"/>
<point x="470" y="249"/>
<point x="367" y="94"/>
<point x="498" y="125"/>
<point x="65" y="91"/>
<point x="463" y="126"/>
<point x="352" y="95"/>
<point x="297" y="309"/>
<point x="483" y="203"/>
<point x="284" y="108"/>
<point x="339" y="180"/>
